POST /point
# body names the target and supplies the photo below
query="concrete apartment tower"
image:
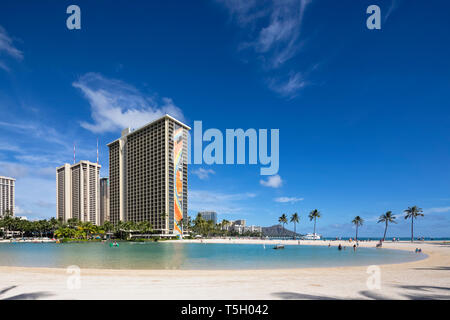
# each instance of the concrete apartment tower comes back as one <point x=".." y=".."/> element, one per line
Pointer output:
<point x="78" y="192"/>
<point x="7" y="186"/>
<point x="104" y="200"/>
<point x="148" y="175"/>
<point x="209" y="215"/>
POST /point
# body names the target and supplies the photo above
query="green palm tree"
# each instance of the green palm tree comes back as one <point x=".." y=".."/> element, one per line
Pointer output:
<point x="413" y="213"/>
<point x="358" y="221"/>
<point x="73" y="222"/>
<point x="386" y="218"/>
<point x="283" y="220"/>
<point x="200" y="225"/>
<point x="295" y="219"/>
<point x="144" y="227"/>
<point x="7" y="220"/>
<point x="53" y="225"/>
<point x="118" y="228"/>
<point x="107" y="226"/>
<point x="314" y="215"/>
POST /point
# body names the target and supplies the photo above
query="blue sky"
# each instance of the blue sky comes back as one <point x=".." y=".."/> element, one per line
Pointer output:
<point x="363" y="114"/>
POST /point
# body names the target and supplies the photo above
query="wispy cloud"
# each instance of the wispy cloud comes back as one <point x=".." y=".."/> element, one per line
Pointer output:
<point x="5" y="146"/>
<point x="35" y="130"/>
<point x="288" y="199"/>
<point x="394" y="5"/>
<point x="7" y="48"/>
<point x="272" y="181"/>
<point x="18" y="210"/>
<point x="116" y="105"/>
<point x="289" y="87"/>
<point x="223" y="203"/>
<point x="13" y="170"/>
<point x="202" y="173"/>
<point x="273" y="31"/>
<point x="436" y="210"/>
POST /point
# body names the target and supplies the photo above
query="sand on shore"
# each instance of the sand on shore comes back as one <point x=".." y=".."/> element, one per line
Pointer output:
<point x="424" y="279"/>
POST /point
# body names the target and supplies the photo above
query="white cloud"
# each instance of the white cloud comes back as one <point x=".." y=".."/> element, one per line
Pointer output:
<point x="32" y="193"/>
<point x="13" y="170"/>
<point x="272" y="33"/>
<point x="19" y="211"/>
<point x="272" y="181"/>
<point x="288" y="199"/>
<point x="223" y="203"/>
<point x="202" y="173"/>
<point x="36" y="130"/>
<point x="394" y="5"/>
<point x="9" y="147"/>
<point x="116" y="105"/>
<point x="44" y="204"/>
<point x="7" y="48"/>
<point x="436" y="210"/>
<point x="4" y="66"/>
<point x="289" y="87"/>
<point x="245" y="12"/>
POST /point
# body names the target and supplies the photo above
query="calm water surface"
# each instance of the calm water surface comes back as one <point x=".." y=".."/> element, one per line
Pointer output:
<point x="192" y="256"/>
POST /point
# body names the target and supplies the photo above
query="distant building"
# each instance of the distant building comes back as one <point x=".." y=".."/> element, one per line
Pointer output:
<point x="237" y="228"/>
<point x="7" y="186"/>
<point x="240" y="227"/>
<point x="209" y="216"/>
<point x="253" y="229"/>
<point x="239" y="222"/>
<point x="148" y="175"/>
<point x="104" y="200"/>
<point x="78" y="192"/>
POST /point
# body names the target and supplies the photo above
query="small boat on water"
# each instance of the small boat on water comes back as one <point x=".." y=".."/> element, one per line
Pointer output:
<point x="311" y="236"/>
<point x="279" y="246"/>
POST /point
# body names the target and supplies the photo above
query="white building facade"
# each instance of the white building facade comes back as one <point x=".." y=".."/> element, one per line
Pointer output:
<point x="7" y="195"/>
<point x="78" y="192"/>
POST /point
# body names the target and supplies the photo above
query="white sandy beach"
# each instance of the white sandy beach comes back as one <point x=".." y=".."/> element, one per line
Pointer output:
<point x="424" y="279"/>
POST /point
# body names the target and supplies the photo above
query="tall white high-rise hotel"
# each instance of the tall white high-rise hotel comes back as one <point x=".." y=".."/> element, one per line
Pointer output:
<point x="78" y="192"/>
<point x="7" y="186"/>
<point x="148" y="175"/>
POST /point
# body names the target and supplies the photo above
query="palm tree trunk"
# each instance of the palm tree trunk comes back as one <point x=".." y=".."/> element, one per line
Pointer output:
<point x="314" y="234"/>
<point x="356" y="233"/>
<point x="412" y="229"/>
<point x="295" y="231"/>
<point x="385" y="229"/>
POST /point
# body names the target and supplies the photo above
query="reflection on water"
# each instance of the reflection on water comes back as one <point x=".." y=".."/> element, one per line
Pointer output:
<point x="175" y="255"/>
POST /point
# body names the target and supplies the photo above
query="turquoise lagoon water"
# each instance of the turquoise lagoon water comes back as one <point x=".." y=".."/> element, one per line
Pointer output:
<point x="192" y="256"/>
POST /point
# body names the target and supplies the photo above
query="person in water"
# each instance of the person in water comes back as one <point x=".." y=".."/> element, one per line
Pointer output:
<point x="339" y="247"/>
<point x="354" y="247"/>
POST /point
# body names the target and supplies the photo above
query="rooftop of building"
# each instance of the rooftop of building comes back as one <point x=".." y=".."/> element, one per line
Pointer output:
<point x="8" y="178"/>
<point x="166" y="116"/>
<point x="79" y="163"/>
